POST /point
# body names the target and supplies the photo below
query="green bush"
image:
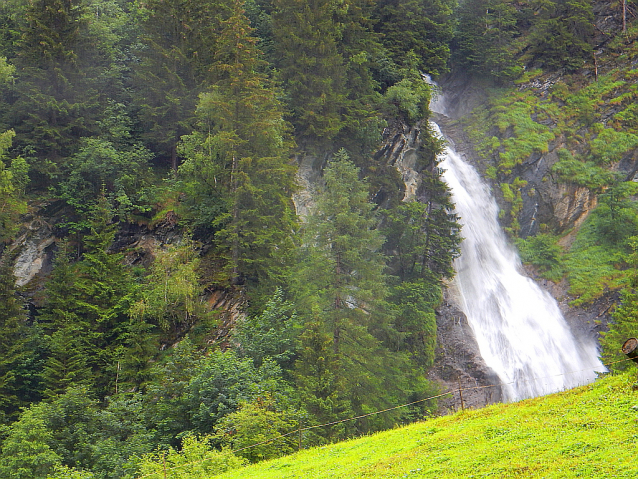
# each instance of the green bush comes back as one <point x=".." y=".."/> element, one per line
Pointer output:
<point x="596" y="260"/>
<point x="411" y="98"/>
<point x="195" y="460"/>
<point x="544" y="253"/>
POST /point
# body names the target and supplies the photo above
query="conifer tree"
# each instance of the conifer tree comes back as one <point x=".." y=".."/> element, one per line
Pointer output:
<point x="68" y="354"/>
<point x="106" y="290"/>
<point x="55" y="105"/>
<point x="312" y="68"/>
<point x="87" y="305"/>
<point x="422" y="27"/>
<point x="179" y="40"/>
<point x="484" y="37"/>
<point x="239" y="154"/>
<point x="12" y="340"/>
<point x="340" y="285"/>
<point x="317" y="380"/>
<point x="561" y="33"/>
<point x="342" y="250"/>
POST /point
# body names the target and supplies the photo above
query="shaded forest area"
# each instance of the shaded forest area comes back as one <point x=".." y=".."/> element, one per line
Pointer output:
<point x="192" y="115"/>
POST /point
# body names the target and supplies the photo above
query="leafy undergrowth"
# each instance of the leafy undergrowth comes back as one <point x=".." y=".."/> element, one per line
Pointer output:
<point x="591" y="432"/>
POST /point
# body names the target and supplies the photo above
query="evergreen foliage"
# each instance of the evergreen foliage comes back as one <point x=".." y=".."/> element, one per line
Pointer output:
<point x="340" y="295"/>
<point x="170" y="298"/>
<point x="423" y="28"/>
<point x="178" y="44"/>
<point x="54" y="104"/>
<point x="238" y="154"/>
<point x="313" y="70"/>
<point x="88" y="307"/>
<point x="71" y="434"/>
<point x="484" y="39"/>
<point x="410" y="97"/>
<point x="561" y="34"/>
<point x="13" y="342"/>
<point x="12" y="18"/>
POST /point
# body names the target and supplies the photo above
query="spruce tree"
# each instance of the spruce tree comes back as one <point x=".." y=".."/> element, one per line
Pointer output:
<point x="106" y="290"/>
<point x="12" y="340"/>
<point x="87" y="305"/>
<point x="239" y="153"/>
<point x="312" y="68"/>
<point x="67" y="361"/>
<point x="179" y="39"/>
<point x="55" y="105"/>
<point x="561" y="34"/>
<point x="362" y="51"/>
<point x="340" y="285"/>
<point x="484" y="38"/>
<point x="422" y="27"/>
<point x="318" y="382"/>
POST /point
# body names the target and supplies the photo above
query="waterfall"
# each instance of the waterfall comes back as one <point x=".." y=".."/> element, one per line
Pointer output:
<point x="521" y="333"/>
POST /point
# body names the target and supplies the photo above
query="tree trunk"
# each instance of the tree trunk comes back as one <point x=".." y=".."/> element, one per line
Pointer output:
<point x="630" y="348"/>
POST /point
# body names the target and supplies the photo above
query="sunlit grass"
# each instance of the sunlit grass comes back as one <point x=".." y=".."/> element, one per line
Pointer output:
<point x="591" y="432"/>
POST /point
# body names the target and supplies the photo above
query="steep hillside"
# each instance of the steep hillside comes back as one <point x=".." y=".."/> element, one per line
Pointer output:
<point x="590" y="432"/>
<point x="165" y="276"/>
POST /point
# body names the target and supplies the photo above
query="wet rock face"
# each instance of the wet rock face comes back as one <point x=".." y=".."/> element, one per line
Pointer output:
<point x="558" y="205"/>
<point x="35" y="245"/>
<point x="400" y="148"/>
<point x="545" y="201"/>
<point x="459" y="364"/>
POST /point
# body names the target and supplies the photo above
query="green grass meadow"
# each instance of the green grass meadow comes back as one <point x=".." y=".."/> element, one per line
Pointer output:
<point x="589" y="432"/>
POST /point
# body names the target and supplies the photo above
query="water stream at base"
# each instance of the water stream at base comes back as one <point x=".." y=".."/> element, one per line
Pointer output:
<point x="521" y="333"/>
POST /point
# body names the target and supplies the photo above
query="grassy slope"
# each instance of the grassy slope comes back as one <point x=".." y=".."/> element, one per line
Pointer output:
<point x="591" y="432"/>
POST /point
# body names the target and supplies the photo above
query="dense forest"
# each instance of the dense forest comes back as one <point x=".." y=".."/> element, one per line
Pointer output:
<point x="188" y="310"/>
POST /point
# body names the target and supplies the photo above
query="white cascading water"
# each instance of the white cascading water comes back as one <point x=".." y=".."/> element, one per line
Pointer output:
<point x="521" y="333"/>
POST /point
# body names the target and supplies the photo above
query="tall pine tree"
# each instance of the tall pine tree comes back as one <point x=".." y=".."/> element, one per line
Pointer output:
<point x="12" y="341"/>
<point x="484" y="38"/>
<point x="340" y="287"/>
<point x="422" y="27"/>
<point x="55" y="104"/>
<point x="179" y="39"/>
<point x="312" y="68"/>
<point x="239" y="153"/>
<point x="87" y="304"/>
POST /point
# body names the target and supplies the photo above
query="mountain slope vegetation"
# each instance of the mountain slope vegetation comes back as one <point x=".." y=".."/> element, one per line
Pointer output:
<point x="168" y="299"/>
<point x="589" y="431"/>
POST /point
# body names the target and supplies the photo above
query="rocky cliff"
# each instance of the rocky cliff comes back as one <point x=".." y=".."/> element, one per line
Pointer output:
<point x="559" y="206"/>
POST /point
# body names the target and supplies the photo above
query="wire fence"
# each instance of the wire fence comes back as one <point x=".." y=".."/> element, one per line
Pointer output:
<point x="460" y="389"/>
